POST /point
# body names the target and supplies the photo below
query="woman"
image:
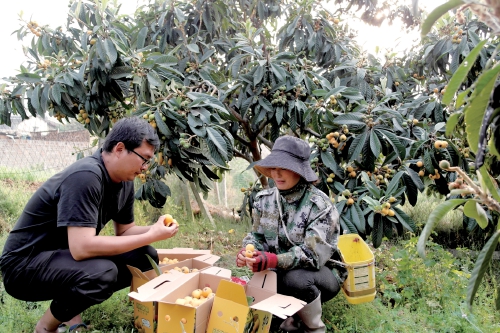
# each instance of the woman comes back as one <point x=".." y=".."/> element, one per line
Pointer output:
<point x="295" y="232"/>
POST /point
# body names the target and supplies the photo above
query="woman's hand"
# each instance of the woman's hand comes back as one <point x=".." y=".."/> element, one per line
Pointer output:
<point x="262" y="261"/>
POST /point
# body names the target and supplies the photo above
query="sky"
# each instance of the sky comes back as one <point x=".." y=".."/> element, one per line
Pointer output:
<point x="54" y="13"/>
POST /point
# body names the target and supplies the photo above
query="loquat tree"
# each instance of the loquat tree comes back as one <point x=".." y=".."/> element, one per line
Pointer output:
<point x="220" y="80"/>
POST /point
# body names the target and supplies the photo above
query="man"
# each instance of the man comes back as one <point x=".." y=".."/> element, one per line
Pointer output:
<point x="54" y="251"/>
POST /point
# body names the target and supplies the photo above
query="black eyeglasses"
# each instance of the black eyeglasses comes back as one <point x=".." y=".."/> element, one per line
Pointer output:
<point x="146" y="161"/>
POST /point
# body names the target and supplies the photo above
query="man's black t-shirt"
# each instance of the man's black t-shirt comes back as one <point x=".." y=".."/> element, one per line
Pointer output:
<point x="82" y="195"/>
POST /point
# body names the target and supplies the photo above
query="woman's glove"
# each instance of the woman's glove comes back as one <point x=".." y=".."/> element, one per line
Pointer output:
<point x="240" y="258"/>
<point x="264" y="260"/>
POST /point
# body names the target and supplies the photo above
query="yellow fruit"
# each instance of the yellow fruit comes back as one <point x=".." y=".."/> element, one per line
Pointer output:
<point x="248" y="254"/>
<point x="93" y="41"/>
<point x="196" y="293"/>
<point x="437" y="144"/>
<point x="420" y="164"/>
<point x="243" y="189"/>
<point x="185" y="269"/>
<point x="343" y="137"/>
<point x="206" y="291"/>
<point x="336" y="20"/>
<point x="392" y="199"/>
<point x="350" y="201"/>
<point x="391" y="212"/>
<point x="352" y="174"/>
<point x="421" y="173"/>
<point x="250" y="247"/>
<point x="350" y="169"/>
<point x="415" y="121"/>
<point x="194" y="270"/>
<point x="196" y="302"/>
<point x="180" y="301"/>
<point x="336" y="134"/>
<point x="168" y="220"/>
<point x="183" y="320"/>
<point x="167" y="318"/>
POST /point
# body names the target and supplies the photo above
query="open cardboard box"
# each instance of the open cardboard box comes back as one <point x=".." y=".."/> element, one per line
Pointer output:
<point x="240" y="308"/>
<point x="139" y="277"/>
<point x="165" y="290"/>
<point x="145" y="312"/>
<point x="199" y="263"/>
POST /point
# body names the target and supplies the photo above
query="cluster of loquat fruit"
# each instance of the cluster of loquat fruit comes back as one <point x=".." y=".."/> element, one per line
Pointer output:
<point x="381" y="174"/>
<point x="183" y="269"/>
<point x="150" y="117"/>
<point x="196" y="298"/>
<point x="169" y="261"/>
<point x="142" y="177"/>
<point x="350" y="200"/>
<point x="439" y="144"/>
<point x="334" y="137"/>
<point x="457" y="37"/>
<point x="34" y="28"/>
<point x="386" y="211"/>
<point x="83" y="117"/>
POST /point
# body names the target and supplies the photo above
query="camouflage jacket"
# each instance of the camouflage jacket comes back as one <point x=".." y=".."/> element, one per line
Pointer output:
<point x="301" y="227"/>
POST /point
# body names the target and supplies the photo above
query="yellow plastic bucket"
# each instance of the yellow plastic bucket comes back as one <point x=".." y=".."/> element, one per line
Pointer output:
<point x="359" y="287"/>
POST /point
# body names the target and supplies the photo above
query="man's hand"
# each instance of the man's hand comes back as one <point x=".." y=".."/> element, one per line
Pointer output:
<point x="262" y="261"/>
<point x="161" y="232"/>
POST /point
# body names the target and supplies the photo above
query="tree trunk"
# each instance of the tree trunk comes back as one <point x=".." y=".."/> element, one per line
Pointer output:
<point x="203" y="209"/>
<point x="186" y="202"/>
<point x="225" y="190"/>
<point x="256" y="155"/>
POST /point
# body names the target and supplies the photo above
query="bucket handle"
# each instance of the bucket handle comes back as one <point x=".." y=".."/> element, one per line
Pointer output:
<point x="340" y="263"/>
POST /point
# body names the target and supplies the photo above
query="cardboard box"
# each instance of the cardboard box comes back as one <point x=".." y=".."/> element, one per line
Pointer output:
<point x="139" y="277"/>
<point x="239" y="309"/>
<point x="199" y="263"/>
<point x="165" y="290"/>
<point x="145" y="312"/>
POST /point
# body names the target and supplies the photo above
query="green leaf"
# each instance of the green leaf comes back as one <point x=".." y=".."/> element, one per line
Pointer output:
<point x="217" y="140"/>
<point x="193" y="48"/>
<point x="375" y="144"/>
<point x="258" y="75"/>
<point x="154" y="265"/>
<point x="437" y="13"/>
<point x="357" y="146"/>
<point x="377" y="231"/>
<point x="461" y="73"/>
<point x="330" y="162"/>
<point x="436" y="215"/>
<point x="393" y="185"/>
<point x="394" y="142"/>
<point x="482" y="264"/>
<point x="451" y="123"/>
<point x="474" y="210"/>
<point x="141" y="37"/>
<point x="404" y="219"/>
<point x="487" y="180"/>
<point x="28" y="77"/>
<point x="110" y="50"/>
<point x="474" y="112"/>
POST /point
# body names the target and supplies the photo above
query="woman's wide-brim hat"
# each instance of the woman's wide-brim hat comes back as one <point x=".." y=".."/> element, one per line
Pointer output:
<point x="289" y="153"/>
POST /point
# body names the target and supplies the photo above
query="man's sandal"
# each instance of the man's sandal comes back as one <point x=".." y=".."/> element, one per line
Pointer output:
<point x="64" y="328"/>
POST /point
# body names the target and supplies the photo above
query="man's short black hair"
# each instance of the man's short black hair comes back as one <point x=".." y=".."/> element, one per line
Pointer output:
<point x="132" y="131"/>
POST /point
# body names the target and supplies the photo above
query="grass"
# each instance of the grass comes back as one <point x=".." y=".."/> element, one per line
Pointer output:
<point x="413" y="294"/>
